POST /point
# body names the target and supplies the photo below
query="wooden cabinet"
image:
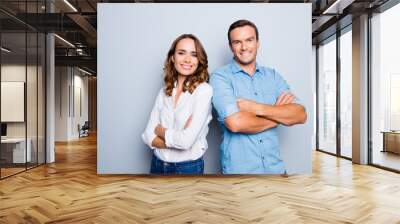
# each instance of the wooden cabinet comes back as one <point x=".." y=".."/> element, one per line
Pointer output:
<point x="391" y="141"/>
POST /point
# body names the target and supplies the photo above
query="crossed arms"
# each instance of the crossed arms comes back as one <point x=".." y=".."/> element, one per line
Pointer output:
<point x="157" y="136"/>
<point x="159" y="140"/>
<point x="250" y="117"/>
<point x="256" y="117"/>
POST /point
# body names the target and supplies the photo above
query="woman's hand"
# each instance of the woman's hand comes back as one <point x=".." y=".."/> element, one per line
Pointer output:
<point x="158" y="143"/>
<point x="160" y="131"/>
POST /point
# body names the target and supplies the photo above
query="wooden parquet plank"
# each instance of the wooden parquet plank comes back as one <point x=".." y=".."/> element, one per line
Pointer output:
<point x="70" y="191"/>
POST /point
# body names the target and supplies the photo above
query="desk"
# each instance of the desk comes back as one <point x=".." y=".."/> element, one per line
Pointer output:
<point x="391" y="141"/>
<point x="17" y="150"/>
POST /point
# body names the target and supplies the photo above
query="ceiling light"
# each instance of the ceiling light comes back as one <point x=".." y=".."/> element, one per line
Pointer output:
<point x="70" y="5"/>
<point x="64" y="40"/>
<point x="337" y="7"/>
<point x="84" y="71"/>
<point x="5" y="50"/>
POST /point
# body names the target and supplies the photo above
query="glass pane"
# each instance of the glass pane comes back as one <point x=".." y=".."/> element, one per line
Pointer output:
<point x="41" y="98"/>
<point x="386" y="89"/>
<point x="327" y="97"/>
<point x="13" y="87"/>
<point x="346" y="94"/>
<point x="32" y="95"/>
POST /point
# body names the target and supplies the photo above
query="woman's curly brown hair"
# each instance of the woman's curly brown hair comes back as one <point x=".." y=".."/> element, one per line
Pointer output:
<point x="192" y="81"/>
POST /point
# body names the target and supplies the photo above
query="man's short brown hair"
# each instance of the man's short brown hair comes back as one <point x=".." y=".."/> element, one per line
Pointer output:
<point x="241" y="23"/>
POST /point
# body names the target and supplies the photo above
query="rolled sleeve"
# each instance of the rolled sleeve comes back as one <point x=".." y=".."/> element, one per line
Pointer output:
<point x="148" y="139"/>
<point x="169" y="138"/>
<point x="224" y="99"/>
<point x="148" y="135"/>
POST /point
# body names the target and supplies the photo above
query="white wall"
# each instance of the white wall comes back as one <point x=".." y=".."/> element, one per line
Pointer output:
<point x="12" y="73"/>
<point x="67" y="85"/>
<point x="133" y="40"/>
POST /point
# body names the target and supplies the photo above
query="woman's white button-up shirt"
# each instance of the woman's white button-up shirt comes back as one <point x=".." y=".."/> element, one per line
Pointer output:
<point x="182" y="144"/>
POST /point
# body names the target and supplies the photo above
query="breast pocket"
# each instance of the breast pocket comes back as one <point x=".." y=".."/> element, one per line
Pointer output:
<point x="269" y="97"/>
<point x="244" y="90"/>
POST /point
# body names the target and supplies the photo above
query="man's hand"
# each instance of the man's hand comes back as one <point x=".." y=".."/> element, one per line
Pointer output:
<point x="160" y="131"/>
<point x="284" y="98"/>
<point x="188" y="122"/>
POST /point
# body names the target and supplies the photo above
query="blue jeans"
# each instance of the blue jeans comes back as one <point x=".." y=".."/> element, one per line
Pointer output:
<point x="188" y="167"/>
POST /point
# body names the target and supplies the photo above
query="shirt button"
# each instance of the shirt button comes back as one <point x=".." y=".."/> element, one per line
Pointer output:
<point x="256" y="93"/>
<point x="262" y="157"/>
<point x="261" y="141"/>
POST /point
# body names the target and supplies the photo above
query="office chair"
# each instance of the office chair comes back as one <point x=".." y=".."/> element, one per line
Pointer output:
<point x="84" y="130"/>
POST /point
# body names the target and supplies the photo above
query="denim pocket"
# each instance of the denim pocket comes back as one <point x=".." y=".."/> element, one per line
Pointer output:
<point x="195" y="167"/>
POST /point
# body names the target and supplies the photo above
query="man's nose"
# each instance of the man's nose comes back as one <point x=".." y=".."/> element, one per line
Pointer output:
<point x="243" y="47"/>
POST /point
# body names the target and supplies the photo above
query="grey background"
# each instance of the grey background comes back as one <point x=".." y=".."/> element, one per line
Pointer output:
<point x="133" y="40"/>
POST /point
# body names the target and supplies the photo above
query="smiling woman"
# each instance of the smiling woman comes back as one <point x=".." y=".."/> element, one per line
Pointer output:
<point x="178" y="124"/>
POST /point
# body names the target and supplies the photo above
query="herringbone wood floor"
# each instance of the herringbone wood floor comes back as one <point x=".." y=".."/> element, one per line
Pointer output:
<point x="70" y="191"/>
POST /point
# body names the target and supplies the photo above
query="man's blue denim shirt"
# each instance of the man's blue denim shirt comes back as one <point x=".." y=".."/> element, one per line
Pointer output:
<point x="247" y="153"/>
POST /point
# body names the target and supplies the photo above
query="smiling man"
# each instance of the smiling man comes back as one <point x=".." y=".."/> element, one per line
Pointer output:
<point x="251" y="101"/>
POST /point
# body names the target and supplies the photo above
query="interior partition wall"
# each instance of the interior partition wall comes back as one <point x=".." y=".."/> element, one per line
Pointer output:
<point x="334" y="95"/>
<point x="22" y="77"/>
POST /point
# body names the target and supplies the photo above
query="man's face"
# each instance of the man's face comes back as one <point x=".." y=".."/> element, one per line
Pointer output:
<point x="244" y="44"/>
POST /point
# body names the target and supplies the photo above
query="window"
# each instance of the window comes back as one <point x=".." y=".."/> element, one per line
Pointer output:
<point x="327" y="96"/>
<point x="22" y="68"/>
<point x="346" y="93"/>
<point x="385" y="88"/>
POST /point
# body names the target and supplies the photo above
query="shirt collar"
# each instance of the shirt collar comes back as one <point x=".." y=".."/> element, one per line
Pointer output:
<point x="235" y="67"/>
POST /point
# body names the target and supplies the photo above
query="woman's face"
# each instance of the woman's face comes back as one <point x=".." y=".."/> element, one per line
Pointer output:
<point x="185" y="57"/>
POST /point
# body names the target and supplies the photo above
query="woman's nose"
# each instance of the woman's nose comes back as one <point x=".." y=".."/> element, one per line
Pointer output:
<point x="187" y="59"/>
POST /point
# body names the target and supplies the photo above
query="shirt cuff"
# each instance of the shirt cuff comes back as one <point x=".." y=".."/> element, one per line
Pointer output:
<point x="148" y="139"/>
<point x="169" y="142"/>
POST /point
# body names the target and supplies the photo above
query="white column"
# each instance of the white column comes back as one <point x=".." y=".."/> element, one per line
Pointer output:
<point x="360" y="90"/>
<point x="50" y="110"/>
